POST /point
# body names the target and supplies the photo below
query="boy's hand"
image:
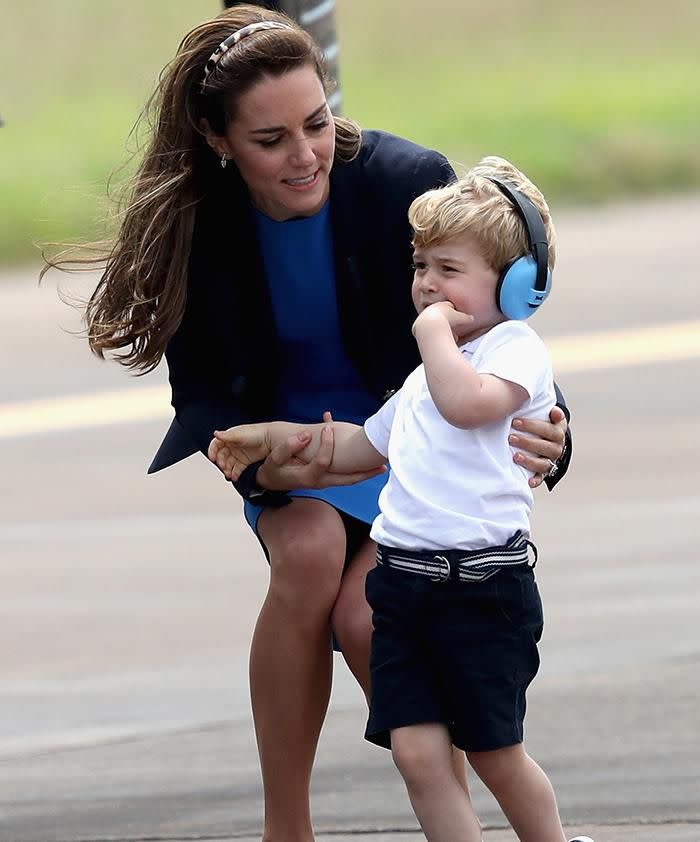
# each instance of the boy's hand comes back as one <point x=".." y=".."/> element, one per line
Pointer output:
<point x="234" y="449"/>
<point x="441" y="312"/>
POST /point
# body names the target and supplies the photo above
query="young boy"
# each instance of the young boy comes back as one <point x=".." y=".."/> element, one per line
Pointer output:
<point x="456" y="611"/>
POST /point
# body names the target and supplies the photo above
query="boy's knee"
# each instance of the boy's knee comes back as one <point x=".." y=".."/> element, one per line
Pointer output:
<point x="410" y="763"/>
<point x="419" y="761"/>
<point x="497" y="766"/>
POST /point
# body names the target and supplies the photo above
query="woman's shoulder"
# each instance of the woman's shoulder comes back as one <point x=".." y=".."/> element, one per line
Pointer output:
<point x="381" y="150"/>
<point x="393" y="170"/>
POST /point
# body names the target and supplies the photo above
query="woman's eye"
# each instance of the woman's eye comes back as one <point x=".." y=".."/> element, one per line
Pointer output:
<point x="273" y="141"/>
<point x="317" y="127"/>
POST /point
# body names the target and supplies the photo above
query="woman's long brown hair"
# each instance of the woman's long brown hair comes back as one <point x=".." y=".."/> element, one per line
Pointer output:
<point x="140" y="299"/>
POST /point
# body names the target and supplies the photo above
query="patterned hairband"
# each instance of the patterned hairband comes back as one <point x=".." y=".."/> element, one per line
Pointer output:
<point x="233" y="39"/>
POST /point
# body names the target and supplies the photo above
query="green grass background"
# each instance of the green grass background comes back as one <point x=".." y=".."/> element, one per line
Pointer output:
<point x="593" y="100"/>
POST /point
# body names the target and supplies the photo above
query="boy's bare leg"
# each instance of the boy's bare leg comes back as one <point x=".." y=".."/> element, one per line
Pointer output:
<point x="523" y="791"/>
<point x="423" y="754"/>
<point x="352" y="624"/>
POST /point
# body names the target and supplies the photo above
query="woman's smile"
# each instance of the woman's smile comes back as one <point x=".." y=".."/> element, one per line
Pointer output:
<point x="303" y="182"/>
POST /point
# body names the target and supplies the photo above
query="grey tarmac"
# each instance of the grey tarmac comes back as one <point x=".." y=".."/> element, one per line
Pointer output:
<point x="128" y="602"/>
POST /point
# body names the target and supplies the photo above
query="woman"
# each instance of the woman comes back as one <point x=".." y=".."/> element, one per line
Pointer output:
<point x="259" y="252"/>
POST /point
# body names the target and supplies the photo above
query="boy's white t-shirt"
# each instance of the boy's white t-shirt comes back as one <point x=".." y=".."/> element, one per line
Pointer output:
<point x="454" y="488"/>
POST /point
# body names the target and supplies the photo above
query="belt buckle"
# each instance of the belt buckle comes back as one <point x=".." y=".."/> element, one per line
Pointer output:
<point x="442" y="576"/>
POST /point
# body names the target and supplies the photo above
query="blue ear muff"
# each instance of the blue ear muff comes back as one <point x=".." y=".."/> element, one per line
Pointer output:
<point x="526" y="282"/>
<point x="516" y="294"/>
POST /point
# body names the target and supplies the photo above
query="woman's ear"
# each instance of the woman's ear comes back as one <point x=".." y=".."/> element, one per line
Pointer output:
<point x="216" y="142"/>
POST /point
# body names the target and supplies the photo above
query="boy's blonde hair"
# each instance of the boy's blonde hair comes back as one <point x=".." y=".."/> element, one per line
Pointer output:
<point x="475" y="206"/>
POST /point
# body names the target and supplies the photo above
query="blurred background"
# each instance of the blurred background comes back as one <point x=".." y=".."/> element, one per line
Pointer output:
<point x="127" y="602"/>
<point x="593" y="100"/>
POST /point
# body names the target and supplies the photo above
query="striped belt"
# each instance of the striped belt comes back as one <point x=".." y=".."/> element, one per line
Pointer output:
<point x="459" y="565"/>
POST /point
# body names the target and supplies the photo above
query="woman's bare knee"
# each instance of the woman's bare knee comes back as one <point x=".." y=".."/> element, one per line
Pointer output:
<point x="306" y="544"/>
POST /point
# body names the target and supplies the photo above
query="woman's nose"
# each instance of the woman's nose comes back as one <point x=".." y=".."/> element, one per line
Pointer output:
<point x="303" y="154"/>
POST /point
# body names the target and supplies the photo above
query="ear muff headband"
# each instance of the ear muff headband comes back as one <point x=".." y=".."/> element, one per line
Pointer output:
<point x="525" y="282"/>
<point x="534" y="226"/>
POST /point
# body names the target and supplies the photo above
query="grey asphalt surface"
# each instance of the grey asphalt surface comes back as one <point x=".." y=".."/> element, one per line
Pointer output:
<point x="127" y="602"/>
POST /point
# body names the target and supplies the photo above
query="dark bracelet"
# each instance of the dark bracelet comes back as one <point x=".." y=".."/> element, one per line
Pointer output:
<point x="248" y="479"/>
<point x="248" y="488"/>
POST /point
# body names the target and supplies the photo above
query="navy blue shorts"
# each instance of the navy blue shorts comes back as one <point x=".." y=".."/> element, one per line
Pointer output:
<point x="458" y="653"/>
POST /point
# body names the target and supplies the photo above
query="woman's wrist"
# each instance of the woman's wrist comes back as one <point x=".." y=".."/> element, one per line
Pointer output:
<point x="562" y="463"/>
<point x="257" y="483"/>
<point x="249" y="487"/>
<point x="248" y="483"/>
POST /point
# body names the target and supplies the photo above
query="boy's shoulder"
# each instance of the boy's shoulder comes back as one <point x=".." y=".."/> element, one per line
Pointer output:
<point x="510" y="345"/>
<point x="505" y="332"/>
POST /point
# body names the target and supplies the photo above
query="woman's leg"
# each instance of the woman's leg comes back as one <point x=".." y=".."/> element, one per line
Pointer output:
<point x="423" y="754"/>
<point x="352" y="626"/>
<point x="291" y="658"/>
<point x="352" y="617"/>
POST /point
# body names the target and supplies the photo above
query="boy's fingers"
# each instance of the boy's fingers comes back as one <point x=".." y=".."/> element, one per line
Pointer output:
<point x="223" y="458"/>
<point x="214" y="449"/>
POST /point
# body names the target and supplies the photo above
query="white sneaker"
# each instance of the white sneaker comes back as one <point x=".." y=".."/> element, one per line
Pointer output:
<point x="581" y="839"/>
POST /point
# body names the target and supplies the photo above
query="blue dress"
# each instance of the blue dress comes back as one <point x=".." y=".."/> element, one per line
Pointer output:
<point x="315" y="371"/>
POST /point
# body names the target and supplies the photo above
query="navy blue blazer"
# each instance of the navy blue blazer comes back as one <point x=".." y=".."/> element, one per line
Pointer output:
<point x="222" y="360"/>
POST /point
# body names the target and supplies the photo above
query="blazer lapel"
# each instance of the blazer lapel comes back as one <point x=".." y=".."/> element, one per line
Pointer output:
<point x="351" y="245"/>
<point x="230" y="266"/>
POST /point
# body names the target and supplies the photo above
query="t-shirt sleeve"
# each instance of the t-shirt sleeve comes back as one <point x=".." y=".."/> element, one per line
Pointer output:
<point x="514" y="352"/>
<point x="378" y="426"/>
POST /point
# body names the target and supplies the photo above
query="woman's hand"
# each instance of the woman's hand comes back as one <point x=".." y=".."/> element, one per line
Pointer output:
<point x="289" y="466"/>
<point x="539" y="443"/>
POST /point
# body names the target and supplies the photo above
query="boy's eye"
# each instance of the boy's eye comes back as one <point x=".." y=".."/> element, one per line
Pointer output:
<point x="418" y="265"/>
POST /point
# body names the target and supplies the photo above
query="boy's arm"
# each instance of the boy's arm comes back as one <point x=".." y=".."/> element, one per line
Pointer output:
<point x="462" y="396"/>
<point x="352" y="455"/>
<point x="234" y="449"/>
